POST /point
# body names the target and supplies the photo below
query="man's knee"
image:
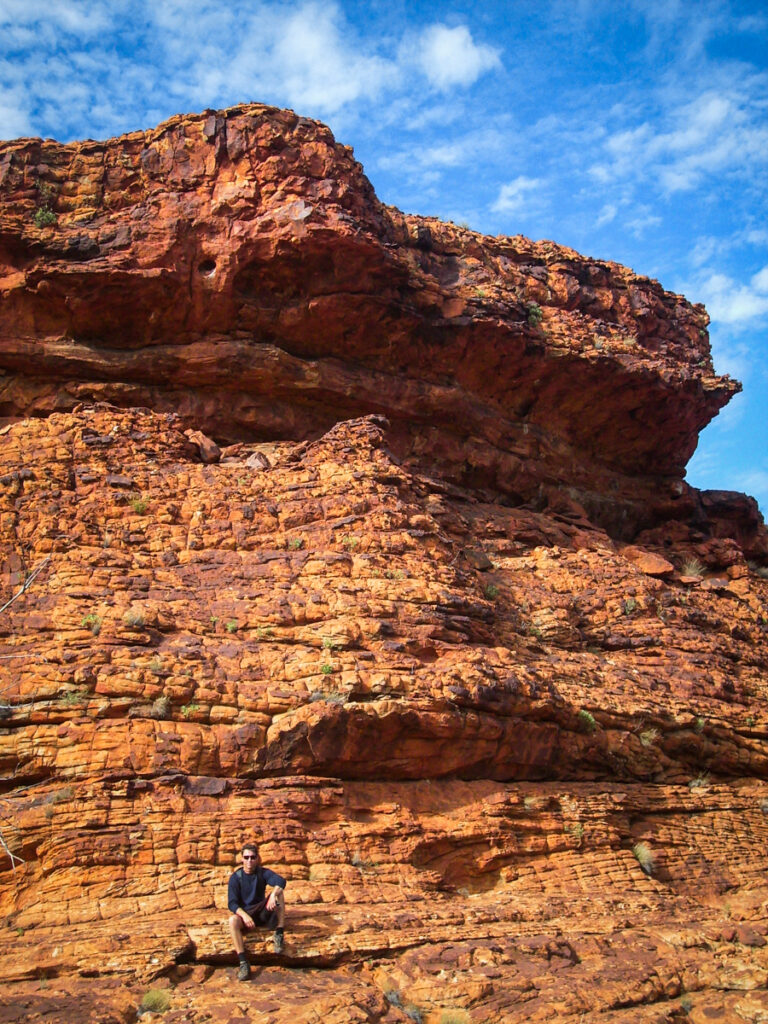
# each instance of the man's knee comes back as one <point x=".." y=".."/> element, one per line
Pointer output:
<point x="233" y="921"/>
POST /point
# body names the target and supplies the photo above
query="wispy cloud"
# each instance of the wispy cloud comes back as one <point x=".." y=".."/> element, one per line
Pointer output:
<point x="712" y="133"/>
<point x="517" y="194"/>
<point x="607" y="215"/>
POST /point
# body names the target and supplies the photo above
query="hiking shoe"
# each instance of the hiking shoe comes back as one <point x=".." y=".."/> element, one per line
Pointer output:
<point x="244" y="972"/>
<point x="278" y="942"/>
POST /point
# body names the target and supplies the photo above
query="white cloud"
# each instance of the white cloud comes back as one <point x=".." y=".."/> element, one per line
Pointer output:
<point x="730" y="302"/>
<point x="514" y="196"/>
<point x="319" y="69"/>
<point x="450" y="57"/>
<point x="301" y="55"/>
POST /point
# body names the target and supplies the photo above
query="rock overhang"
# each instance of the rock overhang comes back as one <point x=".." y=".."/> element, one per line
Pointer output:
<point x="242" y="256"/>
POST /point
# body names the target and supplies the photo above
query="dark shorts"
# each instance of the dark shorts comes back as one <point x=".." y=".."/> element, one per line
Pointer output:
<point x="262" y="917"/>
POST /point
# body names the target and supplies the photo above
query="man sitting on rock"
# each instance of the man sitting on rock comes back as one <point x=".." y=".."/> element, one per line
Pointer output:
<point x="251" y="908"/>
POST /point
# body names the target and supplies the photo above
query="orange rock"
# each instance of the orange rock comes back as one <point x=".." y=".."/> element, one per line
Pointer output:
<point x="647" y="562"/>
<point x="412" y="657"/>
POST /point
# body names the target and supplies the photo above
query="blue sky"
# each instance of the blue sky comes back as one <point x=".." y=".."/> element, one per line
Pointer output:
<point x="634" y="131"/>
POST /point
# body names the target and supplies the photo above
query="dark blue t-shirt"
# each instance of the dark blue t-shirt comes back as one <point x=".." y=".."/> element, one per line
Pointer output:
<point x="245" y="890"/>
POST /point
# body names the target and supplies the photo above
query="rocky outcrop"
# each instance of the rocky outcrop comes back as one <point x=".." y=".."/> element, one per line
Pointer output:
<point x="448" y="722"/>
<point x="514" y="767"/>
<point x="237" y="268"/>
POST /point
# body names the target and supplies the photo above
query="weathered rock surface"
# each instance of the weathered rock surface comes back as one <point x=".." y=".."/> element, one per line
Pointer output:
<point x="451" y="764"/>
<point x="237" y="268"/>
<point x="448" y="714"/>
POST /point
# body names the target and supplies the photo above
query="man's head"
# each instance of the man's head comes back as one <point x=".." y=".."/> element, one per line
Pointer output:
<point x="250" y="857"/>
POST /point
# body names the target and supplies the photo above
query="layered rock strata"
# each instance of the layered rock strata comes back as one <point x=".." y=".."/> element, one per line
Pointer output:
<point x="236" y="267"/>
<point x="514" y="766"/>
<point x="448" y="722"/>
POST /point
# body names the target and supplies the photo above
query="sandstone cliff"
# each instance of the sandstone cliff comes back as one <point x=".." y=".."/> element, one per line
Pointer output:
<point x="367" y="537"/>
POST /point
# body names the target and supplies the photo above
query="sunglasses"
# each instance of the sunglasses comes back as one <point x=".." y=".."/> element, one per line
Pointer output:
<point x="249" y="856"/>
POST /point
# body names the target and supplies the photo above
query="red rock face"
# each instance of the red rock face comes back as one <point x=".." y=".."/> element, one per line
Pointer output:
<point x="513" y="768"/>
<point x="237" y="268"/>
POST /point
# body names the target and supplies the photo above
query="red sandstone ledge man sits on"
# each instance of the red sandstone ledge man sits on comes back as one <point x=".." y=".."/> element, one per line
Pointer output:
<point x="251" y="908"/>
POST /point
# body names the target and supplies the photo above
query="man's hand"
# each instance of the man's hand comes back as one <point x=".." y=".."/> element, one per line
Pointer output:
<point x="272" y="898"/>
<point x="246" y="919"/>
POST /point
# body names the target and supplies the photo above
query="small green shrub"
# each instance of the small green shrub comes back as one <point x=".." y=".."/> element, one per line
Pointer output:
<point x="491" y="591"/>
<point x="698" y="725"/>
<point x="700" y="782"/>
<point x="395" y="574"/>
<point x="329" y="644"/>
<point x="45" y="217"/>
<point x="412" y="1011"/>
<point x="692" y="567"/>
<point x="630" y="604"/>
<point x="393" y="997"/>
<point x="156" y="1000"/>
<point x="156" y="666"/>
<point x="326" y="669"/>
<point x="686" y="1004"/>
<point x="534" y="313"/>
<point x="645" y="857"/>
<point x="231" y="626"/>
<point x="92" y="621"/>
<point x="577" y="829"/>
<point x="264" y="633"/>
<point x="72" y="697"/>
<point x="296" y="544"/>
<point x="350" y="541"/>
<point x="586" y="720"/>
<point x="139" y="505"/>
<point x="190" y="709"/>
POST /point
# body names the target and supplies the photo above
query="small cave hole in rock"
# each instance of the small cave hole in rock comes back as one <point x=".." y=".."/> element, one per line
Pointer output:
<point x="207" y="268"/>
